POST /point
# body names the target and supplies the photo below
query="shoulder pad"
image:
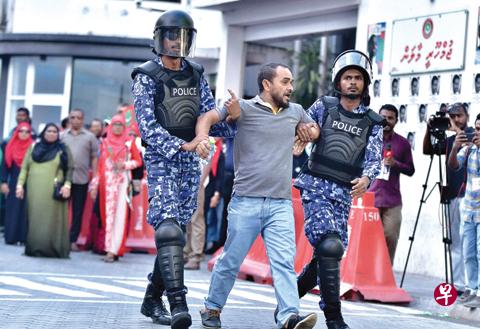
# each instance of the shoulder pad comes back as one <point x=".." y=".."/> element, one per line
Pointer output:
<point x="329" y="101"/>
<point x="149" y="68"/>
<point x="376" y="118"/>
<point x="197" y="67"/>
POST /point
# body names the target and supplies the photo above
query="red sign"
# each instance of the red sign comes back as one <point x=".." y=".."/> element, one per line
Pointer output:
<point x="445" y="294"/>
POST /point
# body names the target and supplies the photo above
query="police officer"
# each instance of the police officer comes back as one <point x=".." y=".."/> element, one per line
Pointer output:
<point x="170" y="93"/>
<point x="344" y="160"/>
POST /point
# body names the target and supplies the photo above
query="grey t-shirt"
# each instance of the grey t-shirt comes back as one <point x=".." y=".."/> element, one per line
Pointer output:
<point x="263" y="149"/>
<point x="84" y="147"/>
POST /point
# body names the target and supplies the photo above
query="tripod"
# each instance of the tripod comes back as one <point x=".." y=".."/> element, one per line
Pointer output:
<point x="445" y="216"/>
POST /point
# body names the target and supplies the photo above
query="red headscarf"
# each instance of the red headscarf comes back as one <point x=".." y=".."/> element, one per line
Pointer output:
<point x="16" y="148"/>
<point x="114" y="145"/>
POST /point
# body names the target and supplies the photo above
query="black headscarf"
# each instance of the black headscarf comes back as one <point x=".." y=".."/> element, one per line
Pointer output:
<point x="44" y="151"/>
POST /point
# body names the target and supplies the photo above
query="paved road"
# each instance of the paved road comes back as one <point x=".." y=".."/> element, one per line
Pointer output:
<point x="84" y="292"/>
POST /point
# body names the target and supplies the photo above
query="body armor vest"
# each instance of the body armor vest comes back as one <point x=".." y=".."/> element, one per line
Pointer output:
<point x="177" y="98"/>
<point x="339" y="154"/>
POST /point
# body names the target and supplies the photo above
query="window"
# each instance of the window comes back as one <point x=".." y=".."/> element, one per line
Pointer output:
<point x="41" y="84"/>
<point x="43" y="114"/>
<point x="99" y="86"/>
<point x="50" y="75"/>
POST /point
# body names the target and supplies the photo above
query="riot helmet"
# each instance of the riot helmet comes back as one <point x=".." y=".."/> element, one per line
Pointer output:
<point x="174" y="34"/>
<point x="352" y="59"/>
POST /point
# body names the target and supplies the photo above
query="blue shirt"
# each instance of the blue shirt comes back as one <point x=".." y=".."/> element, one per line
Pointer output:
<point x="372" y="162"/>
<point x="470" y="205"/>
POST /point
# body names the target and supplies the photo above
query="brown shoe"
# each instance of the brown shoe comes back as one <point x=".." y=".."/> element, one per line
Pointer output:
<point x="110" y="257"/>
<point x="192" y="265"/>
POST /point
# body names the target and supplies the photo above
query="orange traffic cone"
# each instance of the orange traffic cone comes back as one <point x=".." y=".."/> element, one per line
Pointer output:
<point x="140" y="236"/>
<point x="366" y="271"/>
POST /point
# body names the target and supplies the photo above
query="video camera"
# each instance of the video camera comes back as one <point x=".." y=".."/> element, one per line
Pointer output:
<point x="438" y="124"/>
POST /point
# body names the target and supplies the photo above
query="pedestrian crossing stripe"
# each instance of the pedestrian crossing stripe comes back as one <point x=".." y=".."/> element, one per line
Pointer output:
<point x="6" y="292"/>
<point x="27" y="284"/>
<point x="191" y="293"/>
<point x="103" y="289"/>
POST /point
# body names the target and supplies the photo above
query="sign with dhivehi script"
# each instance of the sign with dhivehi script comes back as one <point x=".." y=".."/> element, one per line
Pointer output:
<point x="429" y="43"/>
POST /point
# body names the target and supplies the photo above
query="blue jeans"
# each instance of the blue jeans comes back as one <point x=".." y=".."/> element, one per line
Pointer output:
<point x="471" y="253"/>
<point x="456" y="247"/>
<point x="247" y="217"/>
<point x="214" y="222"/>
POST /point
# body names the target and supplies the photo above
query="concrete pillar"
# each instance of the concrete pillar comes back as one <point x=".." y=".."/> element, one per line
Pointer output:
<point x="297" y="49"/>
<point x="231" y="63"/>
<point x="323" y="69"/>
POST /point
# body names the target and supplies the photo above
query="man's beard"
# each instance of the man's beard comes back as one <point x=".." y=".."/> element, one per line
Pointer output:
<point x="279" y="102"/>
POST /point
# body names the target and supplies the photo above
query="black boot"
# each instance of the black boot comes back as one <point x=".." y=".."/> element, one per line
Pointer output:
<point x="178" y="307"/>
<point x="337" y="324"/>
<point x="170" y="241"/>
<point x="307" y="280"/>
<point x="329" y="276"/>
<point x="153" y="306"/>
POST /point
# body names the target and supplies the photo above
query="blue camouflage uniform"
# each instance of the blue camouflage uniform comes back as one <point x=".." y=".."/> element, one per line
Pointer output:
<point x="173" y="175"/>
<point x="327" y="204"/>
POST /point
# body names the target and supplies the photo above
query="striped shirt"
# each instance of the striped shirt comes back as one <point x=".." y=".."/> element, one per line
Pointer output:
<point x="470" y="205"/>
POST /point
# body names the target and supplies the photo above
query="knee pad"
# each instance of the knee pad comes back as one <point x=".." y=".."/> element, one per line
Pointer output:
<point x="169" y="233"/>
<point x="330" y="246"/>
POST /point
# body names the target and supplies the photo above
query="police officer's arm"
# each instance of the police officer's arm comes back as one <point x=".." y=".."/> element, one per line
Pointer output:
<point x="151" y="131"/>
<point x="372" y="163"/>
<point x="204" y="122"/>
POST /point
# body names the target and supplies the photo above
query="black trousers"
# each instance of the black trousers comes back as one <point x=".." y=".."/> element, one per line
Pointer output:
<point x="79" y="196"/>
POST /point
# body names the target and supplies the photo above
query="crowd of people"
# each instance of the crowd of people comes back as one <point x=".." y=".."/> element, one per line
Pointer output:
<point x="246" y="177"/>
<point x="101" y="160"/>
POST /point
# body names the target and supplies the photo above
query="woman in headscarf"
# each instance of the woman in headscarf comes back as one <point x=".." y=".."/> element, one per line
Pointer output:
<point x="15" y="221"/>
<point x="118" y="156"/>
<point x="49" y="161"/>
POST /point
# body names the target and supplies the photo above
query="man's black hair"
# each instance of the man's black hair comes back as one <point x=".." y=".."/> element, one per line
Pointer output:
<point x="389" y="107"/>
<point x="267" y="72"/>
<point x="79" y="110"/>
<point x="64" y="123"/>
<point x="24" y="110"/>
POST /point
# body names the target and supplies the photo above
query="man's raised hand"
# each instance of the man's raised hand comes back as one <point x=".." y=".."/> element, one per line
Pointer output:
<point x="233" y="107"/>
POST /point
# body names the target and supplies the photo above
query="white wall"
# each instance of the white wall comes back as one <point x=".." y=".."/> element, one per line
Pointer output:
<point x="105" y="18"/>
<point x="427" y="252"/>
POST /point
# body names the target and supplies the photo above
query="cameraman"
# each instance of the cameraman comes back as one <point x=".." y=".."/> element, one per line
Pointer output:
<point x="468" y="158"/>
<point x="458" y="114"/>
